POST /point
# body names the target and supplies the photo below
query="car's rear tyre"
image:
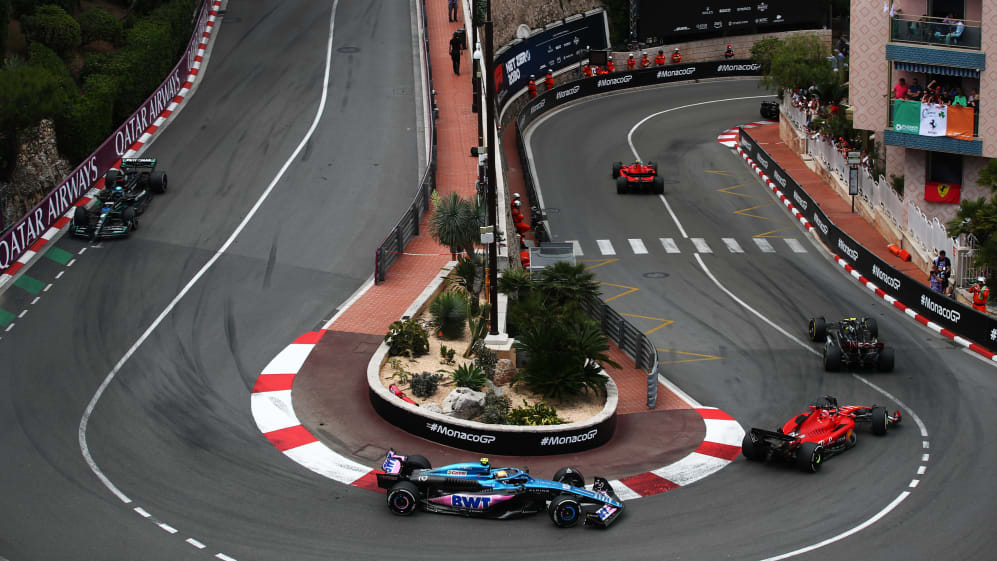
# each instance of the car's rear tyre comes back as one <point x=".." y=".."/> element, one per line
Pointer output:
<point x="880" y="421"/>
<point x="749" y="449"/>
<point x="158" y="182"/>
<point x="128" y="215"/>
<point x="818" y="329"/>
<point x="81" y="217"/>
<point x="832" y="358"/>
<point x="884" y="363"/>
<point x="658" y="186"/>
<point x="415" y="461"/>
<point x="617" y="166"/>
<point x="571" y="476"/>
<point x="564" y="511"/>
<point x="403" y="498"/>
<point x="653" y="165"/>
<point x="621" y="185"/>
<point x="809" y="457"/>
<point x="872" y="326"/>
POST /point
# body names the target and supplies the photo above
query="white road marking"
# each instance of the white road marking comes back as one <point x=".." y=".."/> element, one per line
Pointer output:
<point x="22" y="314"/>
<point x="576" y="248"/>
<point x="671" y="213"/>
<point x="71" y="261"/>
<point x="605" y="247"/>
<point x="921" y="470"/>
<point x="701" y="245"/>
<point x="142" y="512"/>
<point x="195" y="543"/>
<point x="637" y="245"/>
<point x="925" y="457"/>
<point x="167" y="527"/>
<point x="59" y="275"/>
<point x="85" y="420"/>
<point x="732" y="245"/>
<point x="669" y="245"/>
<point x="913" y="483"/>
<point x="9" y="327"/>
<point x="35" y="301"/>
<point x="47" y="287"/>
<point x="795" y="245"/>
<point x="678" y="391"/>
<point x="925" y="445"/>
<point x="224" y="557"/>
<point x="764" y="245"/>
<point x="82" y="251"/>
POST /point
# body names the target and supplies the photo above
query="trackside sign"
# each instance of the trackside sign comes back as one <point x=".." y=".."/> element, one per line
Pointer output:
<point x="21" y="236"/>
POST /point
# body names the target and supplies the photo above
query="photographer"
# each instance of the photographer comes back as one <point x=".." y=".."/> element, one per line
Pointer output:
<point x="944" y="267"/>
<point x="980" y="292"/>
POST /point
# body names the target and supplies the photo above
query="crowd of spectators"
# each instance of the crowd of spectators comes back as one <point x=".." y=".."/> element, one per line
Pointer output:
<point x="942" y="94"/>
<point x="826" y="122"/>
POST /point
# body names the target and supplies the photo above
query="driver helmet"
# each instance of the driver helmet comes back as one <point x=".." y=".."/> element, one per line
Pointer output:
<point x="501" y="474"/>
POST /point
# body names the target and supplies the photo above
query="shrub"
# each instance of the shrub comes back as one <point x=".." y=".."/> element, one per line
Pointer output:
<point x="564" y="358"/>
<point x="447" y="355"/>
<point x="53" y="27"/>
<point x="90" y="120"/>
<point x="485" y="359"/>
<point x="537" y="414"/>
<point x="465" y="273"/>
<point x="28" y="94"/>
<point x="424" y="385"/>
<point x="98" y="23"/>
<point x="449" y="310"/>
<point x="407" y="337"/>
<point x="469" y="376"/>
<point x="95" y="63"/>
<point x="496" y="409"/>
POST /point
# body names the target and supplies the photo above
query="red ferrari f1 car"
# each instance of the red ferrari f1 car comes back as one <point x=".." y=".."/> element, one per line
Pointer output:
<point x="822" y="431"/>
<point x="638" y="177"/>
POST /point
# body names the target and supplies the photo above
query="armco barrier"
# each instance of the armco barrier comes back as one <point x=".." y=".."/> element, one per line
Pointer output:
<point x="22" y="236"/>
<point x="946" y="312"/>
<point x="408" y="226"/>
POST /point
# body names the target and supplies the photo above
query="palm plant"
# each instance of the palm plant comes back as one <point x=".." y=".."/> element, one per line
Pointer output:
<point x="565" y="357"/>
<point x="449" y="311"/>
<point x="563" y="283"/>
<point x="455" y="222"/>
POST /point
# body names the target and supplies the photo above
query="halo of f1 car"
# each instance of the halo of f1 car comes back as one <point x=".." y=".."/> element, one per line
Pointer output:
<point x="824" y="430"/>
<point x="126" y="194"/>
<point x="479" y="490"/>
<point x="638" y="177"/>
<point x="852" y="343"/>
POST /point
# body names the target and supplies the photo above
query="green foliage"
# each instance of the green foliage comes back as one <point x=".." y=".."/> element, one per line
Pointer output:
<point x="53" y="27"/>
<point x="90" y="120"/>
<point x="468" y="375"/>
<point x="407" y="337"/>
<point x="449" y="310"/>
<point x="455" y="221"/>
<point x="563" y="283"/>
<point x="95" y="63"/>
<point x="478" y="324"/>
<point x="565" y="357"/>
<point x="897" y="183"/>
<point x="988" y="174"/>
<point x="797" y="62"/>
<point x="398" y="370"/>
<point x="99" y="24"/>
<point x="496" y="409"/>
<point x="141" y="66"/>
<point x="514" y="282"/>
<point x="28" y="94"/>
<point x="425" y="384"/>
<point x="447" y="355"/>
<point x="485" y="358"/>
<point x="537" y="414"/>
<point x="979" y="218"/>
<point x="763" y="50"/>
<point x="465" y="274"/>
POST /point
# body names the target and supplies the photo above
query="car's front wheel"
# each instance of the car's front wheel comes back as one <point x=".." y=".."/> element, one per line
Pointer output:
<point x="832" y="357"/>
<point x="809" y="457"/>
<point x="403" y="498"/>
<point x="81" y="217"/>
<point x="880" y="421"/>
<point x="565" y="511"/>
<point x="818" y="329"/>
<point x="659" y="185"/>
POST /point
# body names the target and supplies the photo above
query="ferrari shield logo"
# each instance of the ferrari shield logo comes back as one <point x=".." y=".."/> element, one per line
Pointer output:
<point x="943" y="190"/>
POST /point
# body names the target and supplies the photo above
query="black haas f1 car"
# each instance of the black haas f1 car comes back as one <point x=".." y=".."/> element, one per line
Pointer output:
<point x="126" y="194"/>
<point x="852" y="343"/>
<point x="813" y="436"/>
<point x="479" y="490"/>
<point x="638" y="177"/>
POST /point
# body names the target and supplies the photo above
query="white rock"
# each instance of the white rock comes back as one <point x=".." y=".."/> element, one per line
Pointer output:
<point x="432" y="407"/>
<point x="464" y="403"/>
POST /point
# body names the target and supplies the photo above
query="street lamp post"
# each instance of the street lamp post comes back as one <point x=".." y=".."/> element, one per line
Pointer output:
<point x="477" y="88"/>
<point x="492" y="159"/>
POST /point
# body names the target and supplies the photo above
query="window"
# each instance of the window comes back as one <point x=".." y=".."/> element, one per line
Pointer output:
<point x="945" y="167"/>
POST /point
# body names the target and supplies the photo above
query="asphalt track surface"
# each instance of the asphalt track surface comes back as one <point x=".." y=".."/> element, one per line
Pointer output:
<point x="173" y="430"/>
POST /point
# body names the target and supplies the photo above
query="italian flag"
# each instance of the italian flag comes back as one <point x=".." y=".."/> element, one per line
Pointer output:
<point x="929" y="119"/>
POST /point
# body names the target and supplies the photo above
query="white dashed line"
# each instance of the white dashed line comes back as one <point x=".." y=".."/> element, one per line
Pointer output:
<point x="764" y="245"/>
<point x="48" y="286"/>
<point x="795" y="245"/>
<point x="925" y="457"/>
<point x="167" y="527"/>
<point x="637" y="245"/>
<point x="669" y="245"/>
<point x="142" y="512"/>
<point x="224" y="557"/>
<point x="22" y="314"/>
<point x="35" y="301"/>
<point x="195" y="543"/>
<point x="701" y="245"/>
<point x="913" y="483"/>
<point x="921" y="470"/>
<point x="81" y="251"/>
<point x="605" y="247"/>
<point x="732" y="245"/>
<point x="59" y="275"/>
<point x="9" y="327"/>
<point x="576" y="248"/>
<point x="71" y="261"/>
<point x="925" y="445"/>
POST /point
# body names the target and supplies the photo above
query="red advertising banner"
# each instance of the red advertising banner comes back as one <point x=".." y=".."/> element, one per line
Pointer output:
<point x="938" y="192"/>
<point x="23" y="235"/>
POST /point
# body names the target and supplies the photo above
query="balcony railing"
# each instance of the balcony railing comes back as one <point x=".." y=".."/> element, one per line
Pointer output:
<point x="934" y="31"/>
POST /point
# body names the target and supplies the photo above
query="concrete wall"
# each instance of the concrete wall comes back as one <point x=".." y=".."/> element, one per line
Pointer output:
<point x="713" y="49"/>
<point x="988" y="81"/>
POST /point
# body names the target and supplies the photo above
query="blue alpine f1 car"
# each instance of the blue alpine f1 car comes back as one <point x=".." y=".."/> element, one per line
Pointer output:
<point x="477" y="489"/>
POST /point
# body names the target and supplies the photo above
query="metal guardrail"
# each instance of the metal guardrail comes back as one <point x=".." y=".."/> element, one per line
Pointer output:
<point x="926" y="30"/>
<point x="408" y="226"/>
<point x="631" y="340"/>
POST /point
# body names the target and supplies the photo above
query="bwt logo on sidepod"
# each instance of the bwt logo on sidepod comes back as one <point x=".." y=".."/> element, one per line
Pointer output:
<point x="854" y="255"/>
<point x="615" y="81"/>
<point x="761" y="160"/>
<point x="892" y="282"/>
<point x="820" y="224"/>
<point x="470" y="501"/>
<point x="781" y="180"/>
<point x="948" y="313"/>
<point x="568" y="92"/>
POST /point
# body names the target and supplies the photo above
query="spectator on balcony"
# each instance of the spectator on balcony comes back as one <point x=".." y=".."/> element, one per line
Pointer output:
<point x="953" y="36"/>
<point x="914" y="91"/>
<point x="918" y="28"/>
<point x="973" y="100"/>
<point x="900" y="90"/>
<point x="959" y="98"/>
